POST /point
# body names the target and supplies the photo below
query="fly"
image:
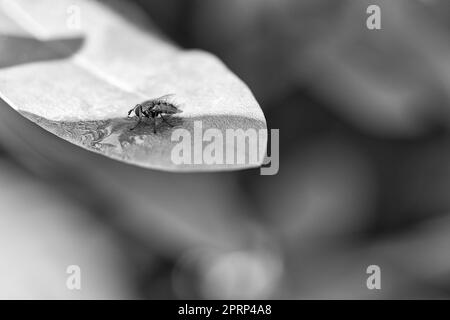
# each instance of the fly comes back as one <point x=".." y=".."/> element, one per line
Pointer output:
<point x="153" y="108"/>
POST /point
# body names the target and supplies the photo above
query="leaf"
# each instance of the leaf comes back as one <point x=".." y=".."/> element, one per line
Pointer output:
<point x="78" y="79"/>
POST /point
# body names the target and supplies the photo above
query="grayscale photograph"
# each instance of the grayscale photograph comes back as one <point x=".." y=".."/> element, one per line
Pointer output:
<point x="224" y="150"/>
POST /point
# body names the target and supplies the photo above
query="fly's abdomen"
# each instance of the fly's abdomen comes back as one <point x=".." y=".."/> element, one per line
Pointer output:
<point x="167" y="108"/>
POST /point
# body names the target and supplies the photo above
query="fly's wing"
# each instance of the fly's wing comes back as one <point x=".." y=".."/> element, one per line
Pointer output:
<point x="165" y="97"/>
<point x="167" y="108"/>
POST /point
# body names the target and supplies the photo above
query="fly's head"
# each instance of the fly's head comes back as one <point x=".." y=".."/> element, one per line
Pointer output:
<point x="137" y="109"/>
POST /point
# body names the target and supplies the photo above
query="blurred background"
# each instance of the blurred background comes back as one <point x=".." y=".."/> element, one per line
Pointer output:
<point x="364" y="170"/>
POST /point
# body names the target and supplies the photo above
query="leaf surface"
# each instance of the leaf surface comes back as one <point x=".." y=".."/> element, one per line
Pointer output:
<point x="76" y="67"/>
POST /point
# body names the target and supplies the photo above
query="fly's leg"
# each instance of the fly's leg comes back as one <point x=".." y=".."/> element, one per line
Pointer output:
<point x="139" y="121"/>
<point x="165" y="120"/>
<point x="140" y="115"/>
<point x="154" y="124"/>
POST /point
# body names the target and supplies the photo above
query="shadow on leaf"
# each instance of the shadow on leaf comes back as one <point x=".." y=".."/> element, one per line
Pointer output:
<point x="17" y="50"/>
<point x="113" y="138"/>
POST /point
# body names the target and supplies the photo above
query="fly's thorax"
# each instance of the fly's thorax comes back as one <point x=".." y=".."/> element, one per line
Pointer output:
<point x="147" y="104"/>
